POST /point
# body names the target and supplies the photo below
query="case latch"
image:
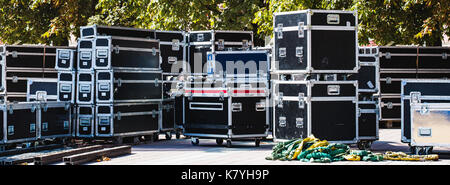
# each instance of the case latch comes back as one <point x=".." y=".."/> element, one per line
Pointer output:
<point x="299" y="122"/>
<point x="41" y="95"/>
<point x="236" y="107"/>
<point x="116" y="49"/>
<point x="260" y="106"/>
<point x="282" y="122"/>
<point x="390" y="105"/>
<point x="444" y="56"/>
<point x="175" y="45"/>
<point x="333" y="90"/>
<point x="245" y="44"/>
<point x="301" y="100"/>
<point x="282" y="52"/>
<point x="387" y="55"/>
<point x="119" y="116"/>
<point x="220" y="44"/>
<point x="200" y="37"/>
<point x="299" y="54"/>
<point x="156" y="82"/>
<point x="154" y="51"/>
<point x="424" y="110"/>
<point x="153" y="114"/>
<point x="172" y="60"/>
<point x="301" y="32"/>
<point x="280" y="31"/>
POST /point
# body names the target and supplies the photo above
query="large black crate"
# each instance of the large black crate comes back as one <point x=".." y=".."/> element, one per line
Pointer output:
<point x="368" y="120"/>
<point x="300" y="106"/>
<point x="85" y="121"/>
<point x="301" y="37"/>
<point x="173" y="50"/>
<point x="201" y="42"/>
<point x="102" y="30"/>
<point x="66" y="59"/>
<point x="126" y="52"/>
<point x="412" y="57"/>
<point x="66" y="86"/>
<point x="226" y="118"/>
<point x="168" y="116"/>
<point x="55" y="120"/>
<point x="86" y="54"/>
<point x="137" y="86"/>
<point x="420" y="91"/>
<point x="20" y="120"/>
<point x="85" y="87"/>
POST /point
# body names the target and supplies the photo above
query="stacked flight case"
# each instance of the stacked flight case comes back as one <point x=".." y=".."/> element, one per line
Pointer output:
<point x="314" y="52"/>
<point x="30" y="110"/>
<point x="368" y="93"/>
<point x="126" y="84"/>
<point x="422" y="96"/>
<point x="231" y="103"/>
<point x="407" y="62"/>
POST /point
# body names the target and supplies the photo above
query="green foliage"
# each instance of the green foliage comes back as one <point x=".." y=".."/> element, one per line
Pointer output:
<point x="42" y="21"/>
<point x="53" y="21"/>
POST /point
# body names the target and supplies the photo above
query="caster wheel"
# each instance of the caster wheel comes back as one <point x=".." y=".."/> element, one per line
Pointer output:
<point x="412" y="150"/>
<point x="229" y="143"/>
<point x="178" y="135"/>
<point x="420" y="150"/>
<point x="361" y="145"/>
<point x="219" y="141"/>
<point x="367" y="145"/>
<point x="427" y="150"/>
<point x="168" y="136"/>
<point x="195" y="141"/>
<point x="155" y="137"/>
<point x="257" y="142"/>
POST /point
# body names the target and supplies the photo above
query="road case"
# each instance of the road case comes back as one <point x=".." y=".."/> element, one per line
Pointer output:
<point x="429" y="126"/>
<point x="129" y="52"/>
<point x="39" y="89"/>
<point x="300" y="106"/>
<point x="201" y="42"/>
<point x="368" y="123"/>
<point x="301" y="37"/>
<point x="85" y="87"/>
<point x="368" y="77"/>
<point x="420" y="91"/>
<point x="168" y="118"/>
<point x="2" y="70"/>
<point x="20" y="122"/>
<point x="55" y="119"/>
<point x="226" y="113"/>
<point x="66" y="59"/>
<point x="102" y="30"/>
<point x="413" y="57"/>
<point x="66" y="86"/>
<point x="390" y="82"/>
<point x="104" y="86"/>
<point x="238" y="64"/>
<point x="390" y="108"/>
<point x="173" y="51"/>
<point x="102" y="52"/>
<point x="127" y="119"/>
<point x="137" y="86"/>
<point x="86" y="54"/>
<point x="85" y="121"/>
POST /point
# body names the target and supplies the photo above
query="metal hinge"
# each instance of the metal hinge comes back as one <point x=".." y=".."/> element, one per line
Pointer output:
<point x="280" y="100"/>
<point x="156" y="82"/>
<point x="358" y="112"/>
<point x="175" y="45"/>
<point x="301" y="32"/>
<point x="119" y="117"/>
<point x="282" y="122"/>
<point x="415" y="97"/>
<point x="119" y="82"/>
<point x="221" y="44"/>
<point x="153" y="114"/>
<point x="388" y="80"/>
<point x="279" y="31"/>
<point x="301" y="100"/>
<point x="299" y="122"/>
<point x="299" y="53"/>
<point x="154" y="51"/>
<point x="444" y="56"/>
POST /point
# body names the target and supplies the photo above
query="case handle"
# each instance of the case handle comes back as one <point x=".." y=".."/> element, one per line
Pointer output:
<point x="334" y="90"/>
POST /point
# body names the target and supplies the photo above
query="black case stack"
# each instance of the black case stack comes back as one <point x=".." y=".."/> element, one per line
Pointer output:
<point x="314" y="53"/>
<point x="127" y="82"/>
<point x="31" y="110"/>
<point x="232" y="101"/>
<point x="407" y="62"/>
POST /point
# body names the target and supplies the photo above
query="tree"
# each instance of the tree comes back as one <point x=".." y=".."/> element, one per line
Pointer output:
<point x="42" y="21"/>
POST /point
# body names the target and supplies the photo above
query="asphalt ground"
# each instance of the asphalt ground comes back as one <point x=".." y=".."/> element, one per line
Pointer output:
<point x="182" y="152"/>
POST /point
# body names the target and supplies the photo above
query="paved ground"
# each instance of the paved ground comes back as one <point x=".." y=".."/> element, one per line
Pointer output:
<point x="181" y="152"/>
